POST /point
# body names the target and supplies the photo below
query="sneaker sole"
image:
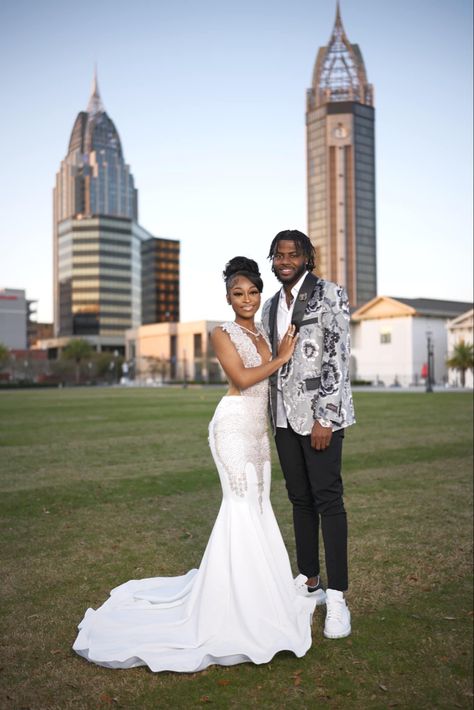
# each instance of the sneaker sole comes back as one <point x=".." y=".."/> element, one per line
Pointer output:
<point x="337" y="636"/>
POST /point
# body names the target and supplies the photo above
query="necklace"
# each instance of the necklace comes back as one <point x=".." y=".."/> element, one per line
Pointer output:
<point x="256" y="335"/>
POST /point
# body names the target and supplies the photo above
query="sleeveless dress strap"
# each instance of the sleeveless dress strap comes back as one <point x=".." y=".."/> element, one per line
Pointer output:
<point x="243" y="344"/>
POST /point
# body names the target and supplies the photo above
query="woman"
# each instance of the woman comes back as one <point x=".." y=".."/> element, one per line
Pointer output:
<point x="241" y="604"/>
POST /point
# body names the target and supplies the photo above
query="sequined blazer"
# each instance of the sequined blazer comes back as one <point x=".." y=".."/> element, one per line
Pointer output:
<point x="315" y="383"/>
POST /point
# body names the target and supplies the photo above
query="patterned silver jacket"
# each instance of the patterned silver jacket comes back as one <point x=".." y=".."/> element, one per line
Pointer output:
<point x="315" y="383"/>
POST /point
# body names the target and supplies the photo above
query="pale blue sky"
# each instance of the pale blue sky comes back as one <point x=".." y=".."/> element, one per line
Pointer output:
<point x="209" y="98"/>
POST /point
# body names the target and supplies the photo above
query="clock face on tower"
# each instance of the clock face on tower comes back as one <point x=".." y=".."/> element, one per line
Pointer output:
<point x="340" y="131"/>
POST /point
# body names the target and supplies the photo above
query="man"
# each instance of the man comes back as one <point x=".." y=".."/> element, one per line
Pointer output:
<point x="310" y="406"/>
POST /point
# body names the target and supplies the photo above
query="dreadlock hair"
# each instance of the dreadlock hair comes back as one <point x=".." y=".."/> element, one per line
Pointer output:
<point x="303" y="242"/>
<point x="241" y="266"/>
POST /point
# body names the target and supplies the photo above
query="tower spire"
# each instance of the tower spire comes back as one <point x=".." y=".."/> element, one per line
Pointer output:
<point x="338" y="31"/>
<point x="339" y="73"/>
<point x="95" y="104"/>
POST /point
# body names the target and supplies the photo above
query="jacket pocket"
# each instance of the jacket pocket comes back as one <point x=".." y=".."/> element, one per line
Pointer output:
<point x="310" y="321"/>
<point x="312" y="383"/>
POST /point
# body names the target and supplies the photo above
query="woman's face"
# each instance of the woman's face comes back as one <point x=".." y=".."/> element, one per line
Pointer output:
<point x="244" y="297"/>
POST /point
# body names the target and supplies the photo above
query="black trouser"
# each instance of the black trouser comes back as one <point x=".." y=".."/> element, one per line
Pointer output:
<point x="314" y="485"/>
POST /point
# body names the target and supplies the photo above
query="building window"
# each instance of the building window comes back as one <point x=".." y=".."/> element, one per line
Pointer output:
<point x="173" y="356"/>
<point x="385" y="337"/>
<point x="197" y="345"/>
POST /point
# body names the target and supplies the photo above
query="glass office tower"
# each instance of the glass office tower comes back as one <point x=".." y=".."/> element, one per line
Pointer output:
<point x="98" y="275"/>
<point x="160" y="280"/>
<point x="98" y="258"/>
<point x="341" y="167"/>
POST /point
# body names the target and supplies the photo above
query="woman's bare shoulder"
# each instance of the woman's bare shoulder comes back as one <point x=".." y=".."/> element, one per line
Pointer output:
<point x="220" y="334"/>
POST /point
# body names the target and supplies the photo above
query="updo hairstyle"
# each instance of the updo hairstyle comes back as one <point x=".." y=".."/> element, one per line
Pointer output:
<point x="241" y="266"/>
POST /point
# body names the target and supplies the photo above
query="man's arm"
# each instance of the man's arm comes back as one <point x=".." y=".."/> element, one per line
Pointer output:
<point x="334" y="367"/>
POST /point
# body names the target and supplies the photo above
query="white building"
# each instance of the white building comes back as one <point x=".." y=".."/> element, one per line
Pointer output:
<point x="460" y="329"/>
<point x="13" y="318"/>
<point x="390" y="339"/>
<point x="163" y="352"/>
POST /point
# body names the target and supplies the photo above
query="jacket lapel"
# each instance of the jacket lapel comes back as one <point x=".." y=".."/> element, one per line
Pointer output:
<point x="304" y="293"/>
<point x="273" y="323"/>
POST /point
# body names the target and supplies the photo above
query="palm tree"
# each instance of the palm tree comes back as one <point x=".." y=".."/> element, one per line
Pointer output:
<point x="77" y="350"/>
<point x="462" y="359"/>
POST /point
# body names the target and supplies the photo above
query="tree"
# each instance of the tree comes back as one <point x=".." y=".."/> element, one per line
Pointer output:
<point x="156" y="366"/>
<point x="4" y="355"/>
<point x="104" y="364"/>
<point x="108" y="366"/>
<point x="462" y="359"/>
<point x="77" y="350"/>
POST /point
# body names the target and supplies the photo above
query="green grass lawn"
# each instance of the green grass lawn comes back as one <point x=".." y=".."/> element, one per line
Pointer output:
<point x="99" y="486"/>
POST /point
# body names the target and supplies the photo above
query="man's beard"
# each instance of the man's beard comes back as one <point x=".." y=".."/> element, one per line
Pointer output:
<point x="298" y="274"/>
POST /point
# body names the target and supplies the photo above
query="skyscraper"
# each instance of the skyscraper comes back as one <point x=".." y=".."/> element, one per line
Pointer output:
<point x="98" y="255"/>
<point x="160" y="281"/>
<point x="341" y="167"/>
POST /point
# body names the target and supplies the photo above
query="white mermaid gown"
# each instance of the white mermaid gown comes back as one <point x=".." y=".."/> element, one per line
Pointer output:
<point x="241" y="604"/>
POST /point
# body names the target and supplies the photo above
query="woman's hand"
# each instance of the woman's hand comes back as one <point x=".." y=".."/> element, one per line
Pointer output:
<point x="240" y="376"/>
<point x="287" y="344"/>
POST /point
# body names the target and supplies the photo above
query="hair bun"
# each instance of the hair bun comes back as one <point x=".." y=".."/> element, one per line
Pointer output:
<point x="240" y="264"/>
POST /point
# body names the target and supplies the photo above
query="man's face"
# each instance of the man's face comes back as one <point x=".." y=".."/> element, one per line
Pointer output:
<point x="289" y="263"/>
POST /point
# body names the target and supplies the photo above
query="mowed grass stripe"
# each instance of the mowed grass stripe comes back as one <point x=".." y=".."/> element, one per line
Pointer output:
<point x="83" y="493"/>
<point x="89" y="406"/>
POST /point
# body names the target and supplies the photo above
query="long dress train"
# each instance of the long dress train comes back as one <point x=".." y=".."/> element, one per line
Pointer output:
<point x="241" y="604"/>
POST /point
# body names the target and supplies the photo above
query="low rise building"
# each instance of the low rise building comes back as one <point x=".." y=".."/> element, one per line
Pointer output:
<point x="460" y="329"/>
<point x="391" y="337"/>
<point x="169" y="352"/>
<point x="13" y="318"/>
<point x="39" y="331"/>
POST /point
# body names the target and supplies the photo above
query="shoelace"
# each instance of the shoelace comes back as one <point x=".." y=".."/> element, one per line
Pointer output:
<point x="335" y="609"/>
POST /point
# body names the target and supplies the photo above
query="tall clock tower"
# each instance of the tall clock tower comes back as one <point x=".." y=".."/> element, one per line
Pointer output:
<point x="340" y="148"/>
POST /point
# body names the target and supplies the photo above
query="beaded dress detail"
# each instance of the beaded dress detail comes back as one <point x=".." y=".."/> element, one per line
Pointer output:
<point x="244" y="439"/>
<point x="241" y="605"/>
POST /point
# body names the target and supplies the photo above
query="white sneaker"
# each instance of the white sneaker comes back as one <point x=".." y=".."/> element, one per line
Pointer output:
<point x="316" y="592"/>
<point x="338" y="616"/>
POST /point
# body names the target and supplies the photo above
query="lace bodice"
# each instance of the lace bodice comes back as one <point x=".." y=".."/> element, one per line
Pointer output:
<point x="239" y="425"/>
<point x="249" y="356"/>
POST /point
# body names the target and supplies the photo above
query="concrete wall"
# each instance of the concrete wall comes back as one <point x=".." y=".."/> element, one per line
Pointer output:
<point x="13" y="318"/>
<point x="400" y="360"/>
<point x="387" y="362"/>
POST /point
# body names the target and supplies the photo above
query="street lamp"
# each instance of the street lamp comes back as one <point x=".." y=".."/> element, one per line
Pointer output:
<point x="429" y="360"/>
